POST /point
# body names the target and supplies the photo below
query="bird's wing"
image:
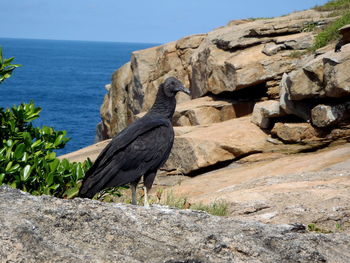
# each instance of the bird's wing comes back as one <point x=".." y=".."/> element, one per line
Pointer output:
<point x="138" y="148"/>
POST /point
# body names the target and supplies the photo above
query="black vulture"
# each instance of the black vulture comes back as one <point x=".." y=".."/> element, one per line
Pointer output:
<point x="138" y="150"/>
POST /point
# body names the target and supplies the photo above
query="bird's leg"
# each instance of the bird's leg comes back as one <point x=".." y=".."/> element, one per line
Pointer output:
<point x="133" y="194"/>
<point x="146" y="204"/>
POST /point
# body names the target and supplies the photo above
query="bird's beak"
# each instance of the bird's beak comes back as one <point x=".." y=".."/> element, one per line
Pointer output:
<point x="184" y="90"/>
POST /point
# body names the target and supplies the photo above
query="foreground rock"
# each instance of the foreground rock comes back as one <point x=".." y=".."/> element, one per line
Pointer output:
<point x="46" y="229"/>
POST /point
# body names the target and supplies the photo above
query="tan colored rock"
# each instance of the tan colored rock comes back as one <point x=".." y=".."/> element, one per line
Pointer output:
<point x="325" y="76"/>
<point x="297" y="108"/>
<point x="224" y="60"/>
<point x="203" y="146"/>
<point x="90" y="152"/>
<point x="295" y="132"/>
<point x="272" y="49"/>
<point x="306" y="188"/>
<point x="207" y="110"/>
<point x="264" y="111"/>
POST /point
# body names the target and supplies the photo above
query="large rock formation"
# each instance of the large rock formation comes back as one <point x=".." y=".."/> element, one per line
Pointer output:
<point x="46" y="229"/>
<point x="259" y="66"/>
<point x="224" y="60"/>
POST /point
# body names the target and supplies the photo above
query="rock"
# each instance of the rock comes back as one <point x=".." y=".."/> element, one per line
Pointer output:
<point x="345" y="32"/>
<point x="207" y="110"/>
<point x="295" y="132"/>
<point x="202" y="146"/>
<point x="307" y="188"/>
<point x="42" y="228"/>
<point x="329" y="115"/>
<point x="272" y="49"/>
<point x="297" y="108"/>
<point x="264" y="111"/>
<point x="325" y="76"/>
<point x="90" y="152"/>
<point x="226" y="59"/>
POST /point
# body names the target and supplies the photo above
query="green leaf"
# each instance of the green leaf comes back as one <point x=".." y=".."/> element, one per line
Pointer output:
<point x="36" y="143"/>
<point x="19" y="151"/>
<point x="25" y="173"/>
<point x="54" y="164"/>
<point x="72" y="192"/>
<point x="8" y="166"/>
<point x="49" y="178"/>
<point x="58" y="139"/>
<point x="2" y="176"/>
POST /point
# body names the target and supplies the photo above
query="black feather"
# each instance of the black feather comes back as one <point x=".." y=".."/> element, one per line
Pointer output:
<point x="140" y="149"/>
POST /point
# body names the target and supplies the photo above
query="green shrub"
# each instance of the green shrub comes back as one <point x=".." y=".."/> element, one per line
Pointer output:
<point x="27" y="158"/>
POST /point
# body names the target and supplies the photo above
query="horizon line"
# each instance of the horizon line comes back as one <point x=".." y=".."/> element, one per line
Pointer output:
<point x="103" y="41"/>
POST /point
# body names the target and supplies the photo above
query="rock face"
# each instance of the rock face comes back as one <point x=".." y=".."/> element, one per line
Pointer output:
<point x="259" y="66"/>
<point x="281" y="189"/>
<point x="46" y="229"/>
<point x="227" y="59"/>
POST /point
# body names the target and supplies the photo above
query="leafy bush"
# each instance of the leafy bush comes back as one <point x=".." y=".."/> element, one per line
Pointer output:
<point x="27" y="157"/>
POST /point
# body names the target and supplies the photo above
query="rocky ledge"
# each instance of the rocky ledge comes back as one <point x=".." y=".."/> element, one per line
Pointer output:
<point x="47" y="229"/>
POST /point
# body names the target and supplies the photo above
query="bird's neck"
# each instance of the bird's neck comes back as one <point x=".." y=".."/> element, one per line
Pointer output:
<point x="164" y="106"/>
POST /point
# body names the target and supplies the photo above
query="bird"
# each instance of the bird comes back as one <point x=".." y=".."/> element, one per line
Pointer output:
<point x="139" y="150"/>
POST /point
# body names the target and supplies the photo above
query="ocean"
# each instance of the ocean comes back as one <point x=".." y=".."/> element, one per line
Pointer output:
<point x="66" y="79"/>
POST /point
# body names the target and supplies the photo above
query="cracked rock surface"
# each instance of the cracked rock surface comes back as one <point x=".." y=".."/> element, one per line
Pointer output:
<point x="47" y="229"/>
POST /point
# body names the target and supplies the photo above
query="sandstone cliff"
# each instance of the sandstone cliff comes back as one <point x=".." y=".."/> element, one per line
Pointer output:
<point x="260" y="67"/>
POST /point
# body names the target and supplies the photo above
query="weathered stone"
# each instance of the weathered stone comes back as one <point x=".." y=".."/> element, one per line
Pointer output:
<point x="297" y="108"/>
<point x="325" y="76"/>
<point x="224" y="60"/>
<point x="46" y="229"/>
<point x="264" y="111"/>
<point x="207" y="110"/>
<point x="202" y="146"/>
<point x="329" y="115"/>
<point x="307" y="188"/>
<point x="294" y="132"/>
<point x="345" y="31"/>
<point x="272" y="49"/>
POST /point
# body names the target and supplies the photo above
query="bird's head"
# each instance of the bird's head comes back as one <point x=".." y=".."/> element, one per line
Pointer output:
<point x="171" y="86"/>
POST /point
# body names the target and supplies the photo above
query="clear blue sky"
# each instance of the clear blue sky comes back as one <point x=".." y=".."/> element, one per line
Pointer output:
<point x="148" y="21"/>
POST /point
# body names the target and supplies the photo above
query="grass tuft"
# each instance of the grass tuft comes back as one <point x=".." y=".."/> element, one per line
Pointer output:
<point x="333" y="5"/>
<point x="331" y="33"/>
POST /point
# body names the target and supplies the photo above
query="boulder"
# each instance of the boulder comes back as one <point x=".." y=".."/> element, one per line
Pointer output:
<point x="46" y="229"/>
<point x="295" y="132"/>
<point x="330" y="115"/>
<point x="264" y="111"/>
<point x="297" y="108"/>
<point x="324" y="76"/>
<point x="203" y="146"/>
<point x="272" y="49"/>
<point x="207" y="110"/>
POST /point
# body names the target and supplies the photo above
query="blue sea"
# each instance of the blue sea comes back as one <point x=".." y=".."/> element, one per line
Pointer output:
<point x="66" y="79"/>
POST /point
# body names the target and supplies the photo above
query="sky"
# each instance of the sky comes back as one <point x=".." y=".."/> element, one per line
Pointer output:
<point x="145" y="21"/>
